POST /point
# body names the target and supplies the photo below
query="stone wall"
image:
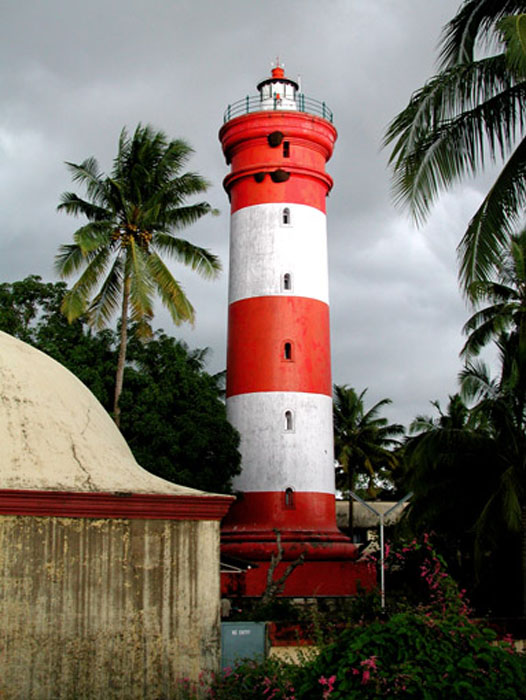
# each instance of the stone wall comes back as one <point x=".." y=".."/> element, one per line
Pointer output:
<point x="106" y="608"/>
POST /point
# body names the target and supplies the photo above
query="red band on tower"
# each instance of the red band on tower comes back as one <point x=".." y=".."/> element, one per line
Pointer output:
<point x="259" y="330"/>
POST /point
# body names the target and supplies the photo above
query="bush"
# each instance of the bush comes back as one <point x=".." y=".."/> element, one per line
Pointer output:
<point x="414" y="654"/>
<point x="428" y="649"/>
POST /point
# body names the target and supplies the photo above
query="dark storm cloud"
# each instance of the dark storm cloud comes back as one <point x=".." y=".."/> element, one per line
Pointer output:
<point x="73" y="74"/>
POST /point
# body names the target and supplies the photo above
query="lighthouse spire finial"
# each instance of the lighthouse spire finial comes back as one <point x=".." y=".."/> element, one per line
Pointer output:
<point x="278" y="68"/>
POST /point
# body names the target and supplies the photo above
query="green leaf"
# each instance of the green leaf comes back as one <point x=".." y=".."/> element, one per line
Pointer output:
<point x="513" y="31"/>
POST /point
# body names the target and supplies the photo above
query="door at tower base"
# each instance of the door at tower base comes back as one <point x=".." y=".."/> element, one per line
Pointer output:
<point x="329" y="579"/>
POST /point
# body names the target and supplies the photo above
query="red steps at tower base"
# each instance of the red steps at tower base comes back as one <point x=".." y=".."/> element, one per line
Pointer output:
<point x="312" y="579"/>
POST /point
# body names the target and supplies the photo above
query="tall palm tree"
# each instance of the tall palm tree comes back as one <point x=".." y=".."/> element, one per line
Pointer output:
<point x="470" y="113"/>
<point x="445" y="459"/>
<point x="505" y="299"/>
<point x="501" y="404"/>
<point x="363" y="440"/>
<point x="133" y="215"/>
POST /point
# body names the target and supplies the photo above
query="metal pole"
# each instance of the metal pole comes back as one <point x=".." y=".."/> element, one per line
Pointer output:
<point x="381" y="520"/>
<point x="382" y="562"/>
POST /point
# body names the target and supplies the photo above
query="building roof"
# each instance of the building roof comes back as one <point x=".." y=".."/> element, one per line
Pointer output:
<point x="362" y="516"/>
<point x="56" y="436"/>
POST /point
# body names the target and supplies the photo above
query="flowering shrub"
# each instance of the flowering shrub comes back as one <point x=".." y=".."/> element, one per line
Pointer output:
<point x="430" y="650"/>
<point x="251" y="680"/>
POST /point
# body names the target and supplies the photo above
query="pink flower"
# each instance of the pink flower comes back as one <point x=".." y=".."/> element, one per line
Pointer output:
<point x="329" y="682"/>
<point x="365" y="677"/>
<point x="369" y="663"/>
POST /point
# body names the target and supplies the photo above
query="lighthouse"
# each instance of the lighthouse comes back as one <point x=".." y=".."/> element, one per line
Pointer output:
<point x="279" y="391"/>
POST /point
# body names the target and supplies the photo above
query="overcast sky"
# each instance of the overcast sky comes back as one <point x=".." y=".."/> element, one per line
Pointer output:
<point x="74" y="73"/>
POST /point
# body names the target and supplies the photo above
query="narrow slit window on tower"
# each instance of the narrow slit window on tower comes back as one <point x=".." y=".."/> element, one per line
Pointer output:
<point x="287" y="351"/>
<point x="289" y="421"/>
<point x="286" y="149"/>
<point x="289" y="498"/>
<point x="285" y="216"/>
<point x="287" y="281"/>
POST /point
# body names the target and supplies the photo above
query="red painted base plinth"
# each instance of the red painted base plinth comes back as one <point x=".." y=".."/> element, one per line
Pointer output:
<point x="260" y="546"/>
<point x="309" y="580"/>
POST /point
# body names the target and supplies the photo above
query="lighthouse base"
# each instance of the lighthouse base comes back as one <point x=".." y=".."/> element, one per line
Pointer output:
<point x="261" y="532"/>
<point x="312" y="579"/>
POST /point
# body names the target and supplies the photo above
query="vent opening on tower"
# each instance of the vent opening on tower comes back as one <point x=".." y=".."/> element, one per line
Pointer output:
<point x="259" y="177"/>
<point x="289" y="498"/>
<point x="274" y="139"/>
<point x="287" y="350"/>
<point x="289" y="421"/>
<point x="287" y="282"/>
<point x="286" y="149"/>
<point x="285" y="217"/>
<point x="279" y="175"/>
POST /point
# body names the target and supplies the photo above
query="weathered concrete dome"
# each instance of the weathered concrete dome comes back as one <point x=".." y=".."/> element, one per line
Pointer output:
<point x="56" y="436"/>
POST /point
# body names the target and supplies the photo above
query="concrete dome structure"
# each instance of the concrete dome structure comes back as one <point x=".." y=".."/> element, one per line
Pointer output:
<point x="55" y="435"/>
<point x="104" y="566"/>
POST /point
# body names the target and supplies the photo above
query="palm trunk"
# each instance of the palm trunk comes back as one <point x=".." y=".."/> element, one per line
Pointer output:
<point x="523" y="557"/>
<point x="350" y="479"/>
<point x="122" y="352"/>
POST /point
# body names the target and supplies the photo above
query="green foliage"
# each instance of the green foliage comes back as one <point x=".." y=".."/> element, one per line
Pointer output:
<point x="430" y="649"/>
<point x="251" y="680"/>
<point x="469" y="114"/>
<point x="133" y="215"/>
<point x="173" y="417"/>
<point x="503" y="300"/>
<point x="175" y="420"/>
<point x="363" y="440"/>
<point x="427" y="648"/>
<point x="454" y="466"/>
<point x="277" y="610"/>
<point x="414" y="655"/>
<point x="31" y="311"/>
<point x="513" y="33"/>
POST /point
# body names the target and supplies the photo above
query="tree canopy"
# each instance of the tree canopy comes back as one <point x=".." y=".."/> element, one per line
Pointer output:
<point x="133" y="215"/>
<point x="175" y="420"/>
<point x="363" y="441"/>
<point x="469" y="114"/>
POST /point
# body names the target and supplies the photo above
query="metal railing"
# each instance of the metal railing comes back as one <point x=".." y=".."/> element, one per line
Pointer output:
<point x="254" y="103"/>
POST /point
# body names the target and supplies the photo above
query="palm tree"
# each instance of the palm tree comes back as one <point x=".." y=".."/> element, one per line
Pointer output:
<point x="444" y="460"/>
<point x="132" y="216"/>
<point x="506" y="301"/>
<point x="501" y="405"/>
<point x="470" y="113"/>
<point x="363" y="440"/>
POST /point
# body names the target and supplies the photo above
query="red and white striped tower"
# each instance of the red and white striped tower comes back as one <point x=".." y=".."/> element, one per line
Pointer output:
<point x="279" y="392"/>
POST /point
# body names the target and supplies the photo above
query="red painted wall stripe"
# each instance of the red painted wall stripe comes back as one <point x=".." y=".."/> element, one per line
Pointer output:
<point x="310" y="143"/>
<point x="72" y="504"/>
<point x="258" y="329"/>
<point x="297" y="127"/>
<point x="310" y="512"/>
<point x="299" y="189"/>
<point x="319" y="578"/>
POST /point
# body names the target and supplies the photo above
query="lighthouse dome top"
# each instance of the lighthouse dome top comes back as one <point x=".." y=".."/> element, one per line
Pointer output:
<point x="278" y="93"/>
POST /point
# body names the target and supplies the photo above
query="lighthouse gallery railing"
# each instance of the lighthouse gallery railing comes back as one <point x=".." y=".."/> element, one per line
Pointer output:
<point x="254" y="103"/>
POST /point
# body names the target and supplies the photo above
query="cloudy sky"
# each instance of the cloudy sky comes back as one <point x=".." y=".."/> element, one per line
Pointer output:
<point x="74" y="73"/>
